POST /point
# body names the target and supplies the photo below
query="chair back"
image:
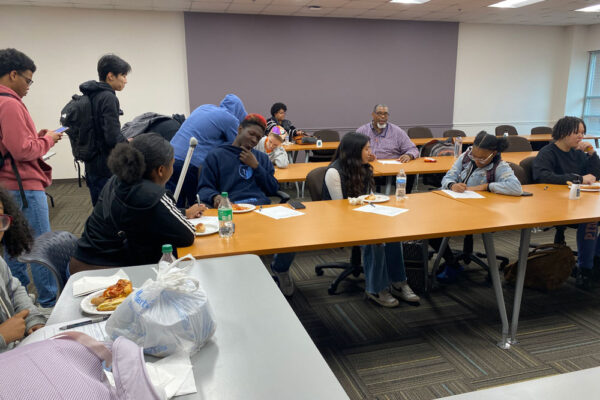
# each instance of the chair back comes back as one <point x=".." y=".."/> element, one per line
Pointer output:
<point x="519" y="173"/>
<point x="517" y="143"/>
<point x="527" y="165"/>
<point x="326" y="135"/>
<point x="419" y="132"/>
<point x="314" y="180"/>
<point x="454" y="133"/>
<point x="541" y="130"/>
<point x="53" y="250"/>
<point x="500" y="129"/>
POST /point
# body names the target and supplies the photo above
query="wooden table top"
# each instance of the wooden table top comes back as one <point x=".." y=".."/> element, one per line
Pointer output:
<point x="545" y="137"/>
<point x="307" y="147"/>
<point x="297" y="172"/>
<point x="328" y="224"/>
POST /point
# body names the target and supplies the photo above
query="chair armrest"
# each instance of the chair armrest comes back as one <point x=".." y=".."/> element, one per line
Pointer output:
<point x="283" y="196"/>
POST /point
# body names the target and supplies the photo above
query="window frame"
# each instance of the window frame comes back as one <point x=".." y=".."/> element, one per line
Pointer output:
<point x="593" y="69"/>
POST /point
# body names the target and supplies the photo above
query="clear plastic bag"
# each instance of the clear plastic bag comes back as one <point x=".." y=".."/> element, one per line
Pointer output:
<point x="166" y="315"/>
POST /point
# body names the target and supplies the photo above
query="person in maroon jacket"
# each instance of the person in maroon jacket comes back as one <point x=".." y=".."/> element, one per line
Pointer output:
<point x="22" y="144"/>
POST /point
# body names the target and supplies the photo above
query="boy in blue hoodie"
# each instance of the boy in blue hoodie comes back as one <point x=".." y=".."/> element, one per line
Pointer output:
<point x="212" y="126"/>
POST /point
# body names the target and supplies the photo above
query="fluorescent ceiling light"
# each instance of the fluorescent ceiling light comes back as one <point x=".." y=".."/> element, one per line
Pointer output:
<point x="514" y="3"/>
<point x="409" y="1"/>
<point x="595" y="8"/>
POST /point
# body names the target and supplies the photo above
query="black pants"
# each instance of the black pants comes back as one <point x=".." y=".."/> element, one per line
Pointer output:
<point x="95" y="185"/>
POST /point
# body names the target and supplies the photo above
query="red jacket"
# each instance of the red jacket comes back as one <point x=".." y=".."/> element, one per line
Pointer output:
<point x="19" y="137"/>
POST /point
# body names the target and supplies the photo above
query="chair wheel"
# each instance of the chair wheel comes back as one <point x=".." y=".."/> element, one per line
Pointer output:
<point x="319" y="272"/>
<point x="356" y="273"/>
<point x="331" y="290"/>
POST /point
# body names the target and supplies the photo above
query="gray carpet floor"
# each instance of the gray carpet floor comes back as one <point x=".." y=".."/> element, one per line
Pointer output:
<point x="444" y="346"/>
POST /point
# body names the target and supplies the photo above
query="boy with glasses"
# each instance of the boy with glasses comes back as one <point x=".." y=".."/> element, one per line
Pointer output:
<point x="22" y="148"/>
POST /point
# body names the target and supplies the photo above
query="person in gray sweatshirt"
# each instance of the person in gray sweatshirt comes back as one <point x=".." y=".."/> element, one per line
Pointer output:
<point x="18" y="315"/>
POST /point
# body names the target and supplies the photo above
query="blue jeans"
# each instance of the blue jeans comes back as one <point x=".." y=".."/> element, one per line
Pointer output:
<point x="282" y="262"/>
<point x="384" y="264"/>
<point x="190" y="184"/>
<point x="587" y="244"/>
<point x="37" y="215"/>
<point x="95" y="185"/>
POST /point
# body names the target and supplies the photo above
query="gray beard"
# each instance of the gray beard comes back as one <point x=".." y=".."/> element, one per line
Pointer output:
<point x="381" y="126"/>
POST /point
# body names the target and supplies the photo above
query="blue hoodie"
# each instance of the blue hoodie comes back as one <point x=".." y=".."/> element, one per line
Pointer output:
<point x="212" y="126"/>
<point x="224" y="172"/>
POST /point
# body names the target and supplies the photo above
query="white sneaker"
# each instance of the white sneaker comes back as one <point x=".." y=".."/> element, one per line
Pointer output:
<point x="286" y="282"/>
<point x="383" y="298"/>
<point x="404" y="292"/>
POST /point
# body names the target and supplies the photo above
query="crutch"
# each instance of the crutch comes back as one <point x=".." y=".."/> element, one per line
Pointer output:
<point x="186" y="164"/>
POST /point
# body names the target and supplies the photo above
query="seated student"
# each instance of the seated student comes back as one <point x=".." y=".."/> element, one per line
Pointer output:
<point x="571" y="159"/>
<point x="247" y="177"/>
<point x="278" y="111"/>
<point x="135" y="215"/>
<point x="479" y="168"/>
<point x="18" y="314"/>
<point x="271" y="144"/>
<point x="351" y="175"/>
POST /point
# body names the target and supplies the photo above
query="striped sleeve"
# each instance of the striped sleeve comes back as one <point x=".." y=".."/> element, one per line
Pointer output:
<point x="174" y="211"/>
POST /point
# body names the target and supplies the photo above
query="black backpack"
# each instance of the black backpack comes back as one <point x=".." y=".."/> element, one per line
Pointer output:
<point x="77" y="115"/>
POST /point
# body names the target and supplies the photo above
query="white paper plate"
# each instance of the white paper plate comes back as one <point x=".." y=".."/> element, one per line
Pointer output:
<point x="247" y="208"/>
<point x="594" y="187"/>
<point x="209" y="229"/>
<point x="87" y="306"/>
<point x="379" y="198"/>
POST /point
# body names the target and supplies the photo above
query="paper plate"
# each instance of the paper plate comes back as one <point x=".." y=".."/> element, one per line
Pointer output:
<point x="246" y="208"/>
<point x="87" y="306"/>
<point x="209" y="229"/>
<point x="594" y="187"/>
<point x="379" y="198"/>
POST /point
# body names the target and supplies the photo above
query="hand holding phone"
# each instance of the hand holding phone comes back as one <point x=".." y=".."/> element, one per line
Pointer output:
<point x="61" y="129"/>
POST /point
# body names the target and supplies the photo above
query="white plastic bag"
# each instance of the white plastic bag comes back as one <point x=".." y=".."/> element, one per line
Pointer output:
<point x="166" y="315"/>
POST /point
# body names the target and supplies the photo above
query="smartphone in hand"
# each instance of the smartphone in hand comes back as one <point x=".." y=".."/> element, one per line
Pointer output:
<point x="61" y="129"/>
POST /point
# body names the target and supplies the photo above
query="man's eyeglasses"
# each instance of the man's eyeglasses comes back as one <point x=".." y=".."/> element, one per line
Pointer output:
<point x="382" y="113"/>
<point x="481" y="160"/>
<point x="5" y="221"/>
<point x="27" y="80"/>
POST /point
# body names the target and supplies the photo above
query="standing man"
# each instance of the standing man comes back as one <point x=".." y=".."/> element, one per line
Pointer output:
<point x="22" y="145"/>
<point x="212" y="126"/>
<point x="389" y="141"/>
<point x="112" y="75"/>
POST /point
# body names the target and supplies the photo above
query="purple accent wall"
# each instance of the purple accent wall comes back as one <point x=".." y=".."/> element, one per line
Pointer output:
<point x="330" y="72"/>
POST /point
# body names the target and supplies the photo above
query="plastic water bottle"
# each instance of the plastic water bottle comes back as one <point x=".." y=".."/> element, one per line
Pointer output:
<point x="457" y="146"/>
<point x="225" y="213"/>
<point x="575" y="192"/>
<point x="167" y="257"/>
<point x="505" y="134"/>
<point x="400" y="185"/>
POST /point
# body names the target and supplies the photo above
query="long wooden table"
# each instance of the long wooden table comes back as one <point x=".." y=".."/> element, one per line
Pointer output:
<point x="544" y="137"/>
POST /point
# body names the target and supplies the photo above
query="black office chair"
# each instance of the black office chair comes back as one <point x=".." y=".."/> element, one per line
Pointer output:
<point x="326" y="135"/>
<point x="419" y="132"/>
<point x="541" y="130"/>
<point x="511" y="130"/>
<point x="314" y="181"/>
<point x="519" y="173"/>
<point x="517" y="143"/>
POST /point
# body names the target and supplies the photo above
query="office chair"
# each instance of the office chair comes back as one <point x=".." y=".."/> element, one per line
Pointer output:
<point x="517" y="143"/>
<point x="500" y="129"/>
<point x="541" y="130"/>
<point x="454" y="133"/>
<point x="419" y="132"/>
<point x="326" y="135"/>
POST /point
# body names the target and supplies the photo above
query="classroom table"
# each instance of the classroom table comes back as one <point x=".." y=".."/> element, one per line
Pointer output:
<point x="544" y="137"/>
<point x="260" y="349"/>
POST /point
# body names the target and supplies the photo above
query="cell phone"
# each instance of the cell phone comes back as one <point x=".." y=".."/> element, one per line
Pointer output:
<point x="61" y="129"/>
<point x="296" y="205"/>
<point x="526" y="194"/>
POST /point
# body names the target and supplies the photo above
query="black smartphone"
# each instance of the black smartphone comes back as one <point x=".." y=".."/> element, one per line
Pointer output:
<point x="526" y="194"/>
<point x="296" y="205"/>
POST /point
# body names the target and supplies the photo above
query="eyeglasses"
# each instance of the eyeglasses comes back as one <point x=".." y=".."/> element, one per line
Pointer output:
<point x="27" y="80"/>
<point x="5" y="221"/>
<point x="481" y="160"/>
<point x="382" y="113"/>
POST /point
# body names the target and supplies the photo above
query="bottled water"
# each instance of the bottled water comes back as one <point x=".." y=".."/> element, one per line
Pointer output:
<point x="225" y="213"/>
<point x="457" y="146"/>
<point x="167" y="257"/>
<point x="400" y="185"/>
<point x="505" y="133"/>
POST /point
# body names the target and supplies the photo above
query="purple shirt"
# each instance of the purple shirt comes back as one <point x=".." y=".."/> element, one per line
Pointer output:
<point x="391" y="143"/>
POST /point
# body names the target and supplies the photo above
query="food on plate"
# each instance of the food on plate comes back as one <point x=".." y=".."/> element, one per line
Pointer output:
<point x="113" y="295"/>
<point x="237" y="207"/>
<point x="110" y="304"/>
<point x="370" y="197"/>
<point x="200" y="228"/>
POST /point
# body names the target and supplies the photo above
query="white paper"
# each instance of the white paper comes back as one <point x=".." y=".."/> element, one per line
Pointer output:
<point x="91" y="284"/>
<point x="467" y="194"/>
<point x="389" y="161"/>
<point x="382" y="210"/>
<point x="179" y="366"/>
<point x="279" y="212"/>
<point x="204" y="220"/>
<point x="97" y="331"/>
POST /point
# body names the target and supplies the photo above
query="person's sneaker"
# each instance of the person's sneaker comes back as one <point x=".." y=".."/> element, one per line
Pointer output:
<point x="383" y="298"/>
<point x="450" y="273"/>
<point x="286" y="282"/>
<point x="404" y="292"/>
<point x="584" y="279"/>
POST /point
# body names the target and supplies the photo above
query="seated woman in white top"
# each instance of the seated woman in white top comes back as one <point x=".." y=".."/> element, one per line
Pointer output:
<point x="351" y="175"/>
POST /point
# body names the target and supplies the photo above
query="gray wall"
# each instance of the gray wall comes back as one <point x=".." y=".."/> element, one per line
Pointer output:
<point x="329" y="71"/>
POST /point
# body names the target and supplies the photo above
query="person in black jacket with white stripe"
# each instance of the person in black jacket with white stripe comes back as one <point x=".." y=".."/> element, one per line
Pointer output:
<point x="135" y="215"/>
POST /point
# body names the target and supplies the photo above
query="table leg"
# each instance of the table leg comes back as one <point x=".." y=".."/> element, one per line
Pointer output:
<point x="488" y="242"/>
<point x="438" y="259"/>
<point x="298" y="189"/>
<point x="388" y="185"/>
<point x="596" y="140"/>
<point x="522" y="267"/>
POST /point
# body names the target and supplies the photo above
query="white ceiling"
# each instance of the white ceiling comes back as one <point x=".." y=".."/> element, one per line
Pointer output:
<point x="549" y="12"/>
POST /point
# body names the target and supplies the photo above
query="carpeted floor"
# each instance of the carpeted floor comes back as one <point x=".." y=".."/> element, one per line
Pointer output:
<point x="444" y="346"/>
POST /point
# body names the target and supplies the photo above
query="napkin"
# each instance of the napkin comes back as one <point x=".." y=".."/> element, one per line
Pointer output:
<point x="382" y="210"/>
<point x="279" y="212"/>
<point x="90" y="284"/>
<point x="389" y="161"/>
<point x="174" y="374"/>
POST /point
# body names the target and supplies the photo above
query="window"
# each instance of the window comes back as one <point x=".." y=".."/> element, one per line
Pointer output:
<point x="591" y="104"/>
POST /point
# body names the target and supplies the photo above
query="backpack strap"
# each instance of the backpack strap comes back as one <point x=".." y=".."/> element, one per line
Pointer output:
<point x="14" y="165"/>
<point x="491" y="173"/>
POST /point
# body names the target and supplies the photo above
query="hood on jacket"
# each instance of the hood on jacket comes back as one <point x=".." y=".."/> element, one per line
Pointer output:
<point x="140" y="196"/>
<point x="93" y="86"/>
<point x="234" y="105"/>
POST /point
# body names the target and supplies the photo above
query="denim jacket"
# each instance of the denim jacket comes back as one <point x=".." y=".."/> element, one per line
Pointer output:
<point x="505" y="180"/>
